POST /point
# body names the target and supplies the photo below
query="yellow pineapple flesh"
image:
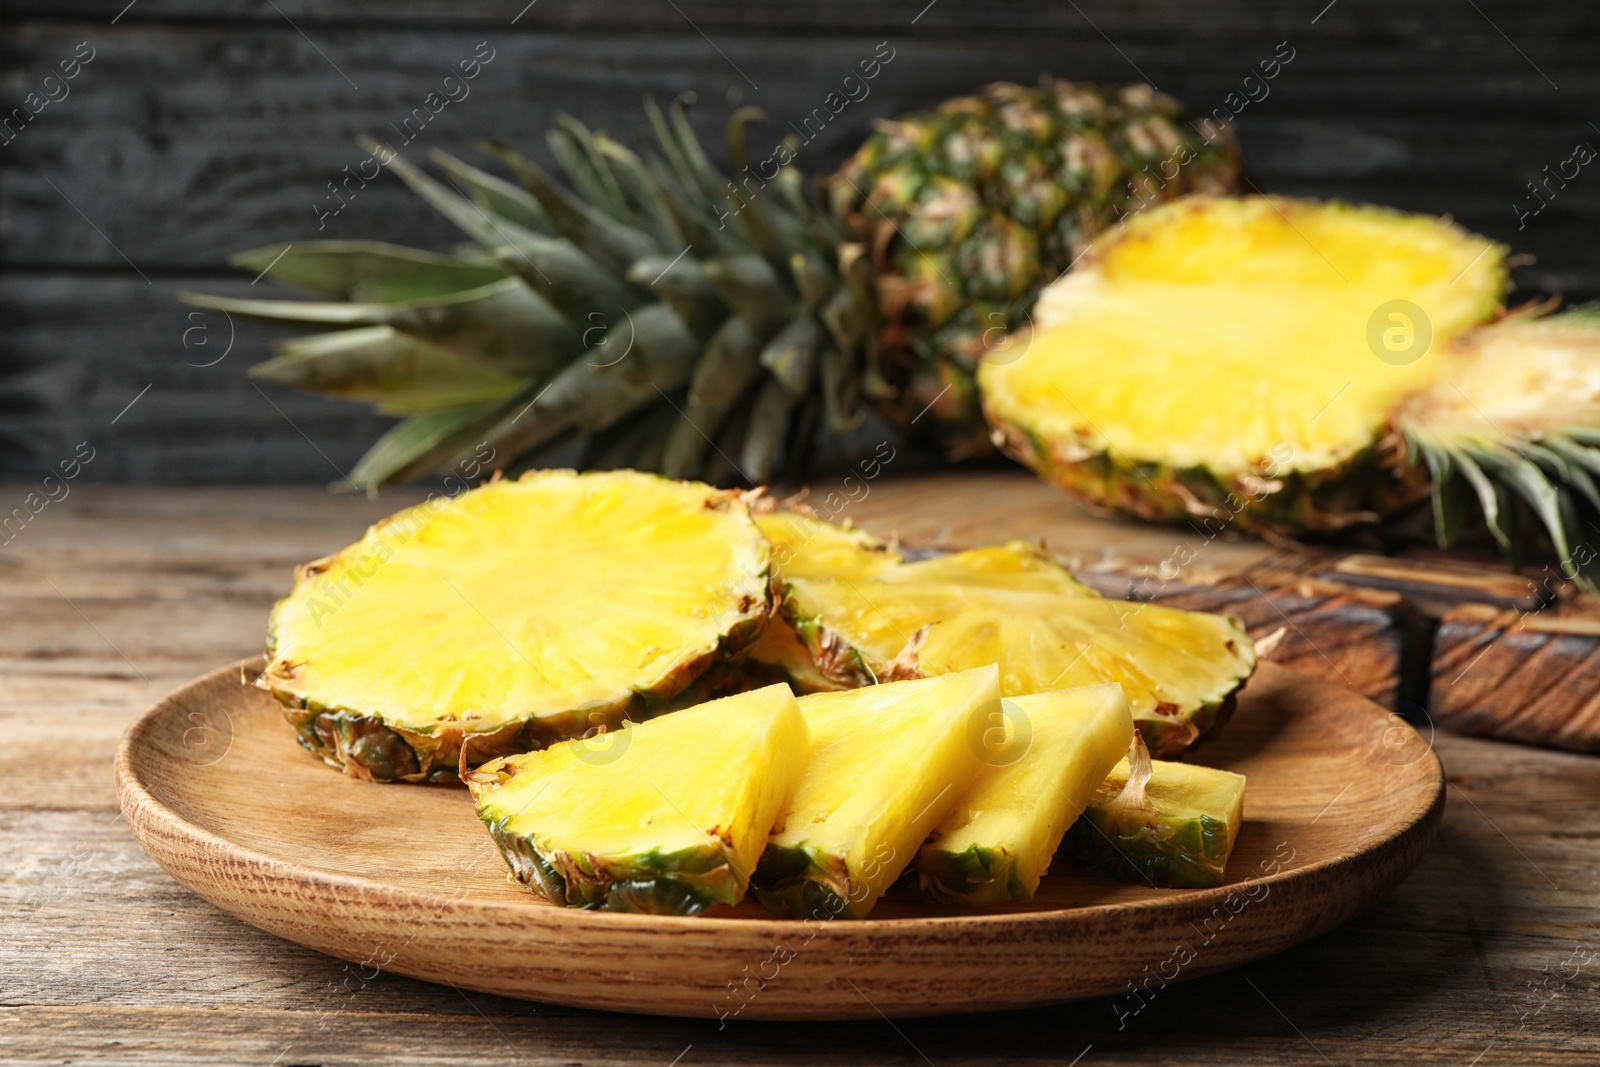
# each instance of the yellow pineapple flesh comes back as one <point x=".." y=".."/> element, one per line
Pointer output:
<point x="666" y="816"/>
<point x="516" y="614"/>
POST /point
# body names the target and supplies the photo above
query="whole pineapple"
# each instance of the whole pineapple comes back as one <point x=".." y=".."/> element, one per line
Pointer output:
<point x="673" y="320"/>
<point x="970" y="209"/>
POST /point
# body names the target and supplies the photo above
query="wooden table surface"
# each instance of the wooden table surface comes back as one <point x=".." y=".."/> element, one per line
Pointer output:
<point x="1489" y="954"/>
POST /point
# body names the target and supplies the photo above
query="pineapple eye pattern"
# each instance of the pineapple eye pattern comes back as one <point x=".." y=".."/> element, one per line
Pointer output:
<point x="1399" y="332"/>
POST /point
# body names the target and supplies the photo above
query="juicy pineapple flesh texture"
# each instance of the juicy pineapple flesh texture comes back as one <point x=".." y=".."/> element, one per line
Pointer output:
<point x="1042" y="761"/>
<point x="550" y="595"/>
<point x="1177" y="833"/>
<point x="1518" y="379"/>
<point x="803" y="545"/>
<point x="888" y="763"/>
<point x="1233" y="335"/>
<point x="1176" y="667"/>
<point x="667" y="816"/>
<point x="1016" y="565"/>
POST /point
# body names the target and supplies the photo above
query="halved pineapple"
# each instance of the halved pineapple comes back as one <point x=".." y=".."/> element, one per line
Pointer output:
<point x="1163" y="824"/>
<point x="668" y="818"/>
<point x="888" y="763"/>
<point x="1046" y="631"/>
<point x="1241" y="359"/>
<point x="1043" y="758"/>
<point x="514" y="615"/>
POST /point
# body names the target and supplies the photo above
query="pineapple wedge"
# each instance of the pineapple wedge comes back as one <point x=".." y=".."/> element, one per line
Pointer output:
<point x="665" y="817"/>
<point x="1042" y="763"/>
<point x="512" y="616"/>
<point x="888" y="764"/>
<point x="1170" y="825"/>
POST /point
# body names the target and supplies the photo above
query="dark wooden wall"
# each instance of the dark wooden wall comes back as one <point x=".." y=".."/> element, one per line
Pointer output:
<point x="202" y="128"/>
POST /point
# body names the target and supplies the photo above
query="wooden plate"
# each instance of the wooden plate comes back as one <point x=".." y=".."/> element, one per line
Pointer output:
<point x="1343" y="800"/>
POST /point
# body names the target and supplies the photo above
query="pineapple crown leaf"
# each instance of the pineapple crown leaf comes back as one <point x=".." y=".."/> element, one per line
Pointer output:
<point x="615" y="244"/>
<point x="573" y="146"/>
<point x="496" y="195"/>
<point x="649" y="199"/>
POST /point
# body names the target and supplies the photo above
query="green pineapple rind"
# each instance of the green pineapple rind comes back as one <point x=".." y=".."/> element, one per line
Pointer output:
<point x="1186" y="853"/>
<point x="685" y="882"/>
<point x="794" y="882"/>
<point x="976" y="877"/>
<point x="1371" y="484"/>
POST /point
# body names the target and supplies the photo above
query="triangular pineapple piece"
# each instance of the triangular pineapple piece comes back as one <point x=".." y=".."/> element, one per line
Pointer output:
<point x="1043" y="757"/>
<point x="888" y="763"/>
<point x="1162" y="824"/>
<point x="667" y="816"/>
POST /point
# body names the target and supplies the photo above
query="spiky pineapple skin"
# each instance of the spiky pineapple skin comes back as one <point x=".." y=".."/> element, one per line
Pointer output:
<point x="977" y="877"/>
<point x="1370" y="486"/>
<point x="659" y="883"/>
<point x="969" y="209"/>
<point x="1186" y="855"/>
<point x="796" y="883"/>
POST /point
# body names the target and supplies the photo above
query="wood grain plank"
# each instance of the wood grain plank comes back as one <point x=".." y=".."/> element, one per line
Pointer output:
<point x="1446" y="988"/>
<point x="1524" y="676"/>
<point x="83" y="350"/>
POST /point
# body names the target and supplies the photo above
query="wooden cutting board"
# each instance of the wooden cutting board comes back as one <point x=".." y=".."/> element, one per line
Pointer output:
<point x="1446" y="640"/>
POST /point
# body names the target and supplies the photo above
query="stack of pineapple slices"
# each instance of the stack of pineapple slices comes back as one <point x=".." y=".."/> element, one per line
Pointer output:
<point x="957" y="719"/>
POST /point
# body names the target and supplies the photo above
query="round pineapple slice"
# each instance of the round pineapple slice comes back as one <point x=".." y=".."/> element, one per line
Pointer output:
<point x="1179" y="669"/>
<point x="518" y="614"/>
